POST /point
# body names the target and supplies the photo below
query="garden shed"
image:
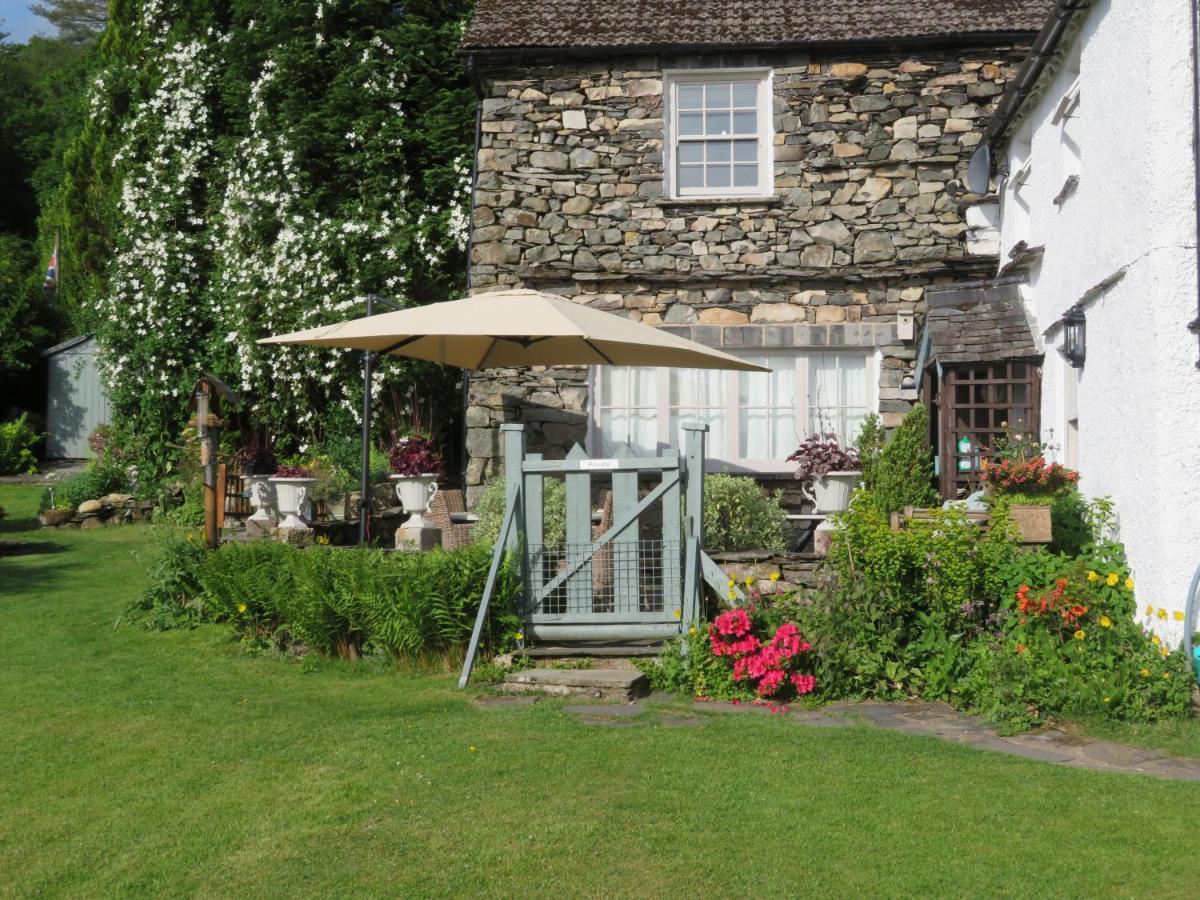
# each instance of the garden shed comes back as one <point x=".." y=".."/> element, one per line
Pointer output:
<point x="76" y="402"/>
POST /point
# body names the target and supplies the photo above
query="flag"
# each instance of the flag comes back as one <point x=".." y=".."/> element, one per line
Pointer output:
<point x="52" y="268"/>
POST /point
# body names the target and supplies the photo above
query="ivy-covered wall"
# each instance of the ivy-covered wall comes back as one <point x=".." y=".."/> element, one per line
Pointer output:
<point x="248" y="168"/>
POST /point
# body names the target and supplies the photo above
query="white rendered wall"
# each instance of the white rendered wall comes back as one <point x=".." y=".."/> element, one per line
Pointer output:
<point x="1133" y="213"/>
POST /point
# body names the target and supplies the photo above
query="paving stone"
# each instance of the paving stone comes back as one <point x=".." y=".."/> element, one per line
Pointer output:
<point x="600" y="684"/>
<point x="608" y="722"/>
<point x="728" y="706"/>
<point x="1024" y="750"/>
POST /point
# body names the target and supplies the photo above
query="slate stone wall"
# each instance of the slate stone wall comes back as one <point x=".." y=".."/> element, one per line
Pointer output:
<point x="569" y="199"/>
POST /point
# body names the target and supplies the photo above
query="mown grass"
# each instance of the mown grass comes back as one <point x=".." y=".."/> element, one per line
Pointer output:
<point x="175" y="764"/>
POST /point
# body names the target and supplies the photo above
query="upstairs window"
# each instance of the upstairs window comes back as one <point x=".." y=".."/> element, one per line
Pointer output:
<point x="719" y="134"/>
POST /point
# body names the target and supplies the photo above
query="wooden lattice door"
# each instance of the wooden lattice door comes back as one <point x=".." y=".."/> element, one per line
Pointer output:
<point x="976" y="402"/>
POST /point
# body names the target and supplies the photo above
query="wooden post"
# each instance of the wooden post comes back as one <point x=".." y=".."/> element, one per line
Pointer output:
<point x="693" y="523"/>
<point x="513" y="438"/>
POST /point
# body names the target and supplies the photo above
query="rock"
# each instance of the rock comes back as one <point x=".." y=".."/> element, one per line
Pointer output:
<point x="845" y="150"/>
<point x="680" y="314"/>
<point x="583" y="158"/>
<point x="575" y="119"/>
<point x="818" y="256"/>
<point x="777" y="312"/>
<point x="905" y="128"/>
<point x="548" y="159"/>
<point x="53" y="518"/>
<point x="91" y="522"/>
<point x="873" y="190"/>
<point x="874" y="246"/>
<point x="827" y="314"/>
<point x="847" y="70"/>
<point x="116" y="499"/>
<point x="830" y="232"/>
<point x="719" y="315"/>
<point x="90" y="507"/>
<point x="905" y="150"/>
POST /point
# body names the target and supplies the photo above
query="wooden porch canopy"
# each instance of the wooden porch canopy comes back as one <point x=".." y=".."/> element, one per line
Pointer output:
<point x="980" y="367"/>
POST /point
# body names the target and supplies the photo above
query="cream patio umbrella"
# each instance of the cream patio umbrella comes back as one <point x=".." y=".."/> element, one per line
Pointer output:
<point x="505" y="329"/>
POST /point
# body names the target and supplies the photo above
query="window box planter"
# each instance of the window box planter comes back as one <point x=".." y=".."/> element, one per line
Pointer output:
<point x="414" y="493"/>
<point x="291" y="495"/>
<point x="831" y="492"/>
<point x="1033" y="522"/>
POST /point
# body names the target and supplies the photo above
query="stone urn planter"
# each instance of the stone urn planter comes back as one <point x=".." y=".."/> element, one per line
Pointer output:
<point x="831" y="492"/>
<point x="262" y="499"/>
<point x="414" y="493"/>
<point x="291" y="498"/>
<point x="1033" y="522"/>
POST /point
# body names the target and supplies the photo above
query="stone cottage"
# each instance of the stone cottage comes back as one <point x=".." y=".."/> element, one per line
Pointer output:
<point x="779" y="179"/>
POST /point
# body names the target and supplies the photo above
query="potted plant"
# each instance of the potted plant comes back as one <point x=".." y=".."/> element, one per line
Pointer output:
<point x="416" y="466"/>
<point x="292" y="485"/>
<point x="1019" y="476"/>
<point x="833" y="471"/>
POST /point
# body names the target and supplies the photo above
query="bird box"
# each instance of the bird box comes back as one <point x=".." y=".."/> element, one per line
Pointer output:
<point x="211" y="400"/>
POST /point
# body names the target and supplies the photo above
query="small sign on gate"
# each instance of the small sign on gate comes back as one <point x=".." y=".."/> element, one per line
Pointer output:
<point x="596" y="465"/>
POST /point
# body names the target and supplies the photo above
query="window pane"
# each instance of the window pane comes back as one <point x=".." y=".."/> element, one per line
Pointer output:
<point x="691" y="123"/>
<point x="691" y="96"/>
<point x="745" y="176"/>
<point x="691" y="176"/>
<point x="718" y="151"/>
<point x="822" y="393"/>
<point x="745" y="94"/>
<point x="745" y="151"/>
<point x="716" y="122"/>
<point x="718" y="176"/>
<point x="718" y="95"/>
<point x="767" y="418"/>
<point x="745" y="122"/>
<point x="691" y="152"/>
<point x="628" y="417"/>
<point x="853" y="380"/>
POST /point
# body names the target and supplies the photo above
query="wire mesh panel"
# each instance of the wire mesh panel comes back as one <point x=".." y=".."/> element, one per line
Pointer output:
<point x="637" y="581"/>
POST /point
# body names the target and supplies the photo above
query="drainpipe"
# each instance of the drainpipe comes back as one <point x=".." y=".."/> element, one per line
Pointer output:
<point x="1194" y="325"/>
<point x="473" y="76"/>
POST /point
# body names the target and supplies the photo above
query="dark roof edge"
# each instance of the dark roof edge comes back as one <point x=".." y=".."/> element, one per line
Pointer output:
<point x="598" y="50"/>
<point x="67" y="344"/>
<point x="1044" y="49"/>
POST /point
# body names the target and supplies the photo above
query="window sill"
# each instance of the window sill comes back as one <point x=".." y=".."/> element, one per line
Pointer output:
<point x="714" y="202"/>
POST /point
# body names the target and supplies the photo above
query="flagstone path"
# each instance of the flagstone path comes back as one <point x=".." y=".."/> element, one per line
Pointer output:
<point x="938" y="720"/>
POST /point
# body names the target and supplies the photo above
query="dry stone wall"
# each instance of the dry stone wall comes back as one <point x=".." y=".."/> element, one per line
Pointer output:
<point x="570" y="199"/>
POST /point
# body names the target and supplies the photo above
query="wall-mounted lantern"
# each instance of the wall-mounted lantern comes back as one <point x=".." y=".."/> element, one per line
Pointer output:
<point x="1075" y="336"/>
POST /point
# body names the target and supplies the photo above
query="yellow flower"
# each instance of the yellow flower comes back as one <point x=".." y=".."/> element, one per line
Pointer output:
<point x="693" y="630"/>
<point x="241" y="607"/>
<point x="1145" y="673"/>
<point x="774" y="576"/>
<point x="1167" y="675"/>
<point x="732" y="594"/>
<point x="1156" y="640"/>
<point x="1149" y="610"/>
<point x="732" y="582"/>
<point x="749" y="580"/>
<point x="1178" y="615"/>
<point x="1162" y="613"/>
<point x="323" y="539"/>
<point x="469" y="749"/>
<point x="677" y="614"/>
<point x="1129" y="584"/>
<point x="1112" y="579"/>
<point x="520" y="636"/>
<point x="1080" y="634"/>
<point x="1108" y="699"/>
<point x="1105" y="622"/>
<point x="1092" y="576"/>
<point x="1164" y="652"/>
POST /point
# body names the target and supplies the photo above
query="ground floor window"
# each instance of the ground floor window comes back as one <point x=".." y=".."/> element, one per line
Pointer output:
<point x="755" y="419"/>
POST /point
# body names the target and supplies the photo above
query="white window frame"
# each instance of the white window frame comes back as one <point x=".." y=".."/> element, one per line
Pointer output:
<point x="766" y="132"/>
<point x="725" y="458"/>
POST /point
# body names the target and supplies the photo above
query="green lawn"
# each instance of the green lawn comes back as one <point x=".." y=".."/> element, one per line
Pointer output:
<point x="169" y="764"/>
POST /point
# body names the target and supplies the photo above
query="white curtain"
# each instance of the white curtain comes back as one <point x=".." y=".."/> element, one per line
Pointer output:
<point x="628" y="412"/>
<point x="698" y="397"/>
<point x="837" y="394"/>
<point x="767" y="409"/>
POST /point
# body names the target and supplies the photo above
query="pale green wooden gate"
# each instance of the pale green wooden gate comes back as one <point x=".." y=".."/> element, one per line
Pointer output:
<point x="637" y="577"/>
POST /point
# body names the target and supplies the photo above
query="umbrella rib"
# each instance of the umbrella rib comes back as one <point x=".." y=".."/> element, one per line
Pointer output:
<point x="399" y="344"/>
<point x="601" y="353"/>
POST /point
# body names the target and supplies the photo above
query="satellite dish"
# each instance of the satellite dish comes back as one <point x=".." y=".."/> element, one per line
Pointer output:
<point x="979" y="170"/>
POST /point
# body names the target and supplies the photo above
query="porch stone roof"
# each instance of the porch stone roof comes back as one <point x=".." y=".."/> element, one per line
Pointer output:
<point x="983" y="323"/>
<point x="544" y="24"/>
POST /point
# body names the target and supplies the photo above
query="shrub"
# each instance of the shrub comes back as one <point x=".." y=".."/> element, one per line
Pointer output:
<point x="872" y="438"/>
<point x="98" y="479"/>
<point x="341" y="602"/>
<point x="1069" y="645"/>
<point x="18" y="440"/>
<point x="740" y="515"/>
<point x="902" y="475"/>
<point x="490" y="511"/>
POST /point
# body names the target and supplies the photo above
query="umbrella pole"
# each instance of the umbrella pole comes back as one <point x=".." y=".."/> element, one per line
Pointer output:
<point x="364" y="497"/>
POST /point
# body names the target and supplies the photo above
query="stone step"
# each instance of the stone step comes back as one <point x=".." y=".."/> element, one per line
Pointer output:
<point x="599" y="684"/>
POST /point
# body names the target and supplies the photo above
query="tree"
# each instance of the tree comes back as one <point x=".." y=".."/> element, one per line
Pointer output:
<point x="77" y="21"/>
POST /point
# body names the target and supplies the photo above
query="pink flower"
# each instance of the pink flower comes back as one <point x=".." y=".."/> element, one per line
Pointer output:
<point x="804" y="684"/>
<point x="770" y="682"/>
